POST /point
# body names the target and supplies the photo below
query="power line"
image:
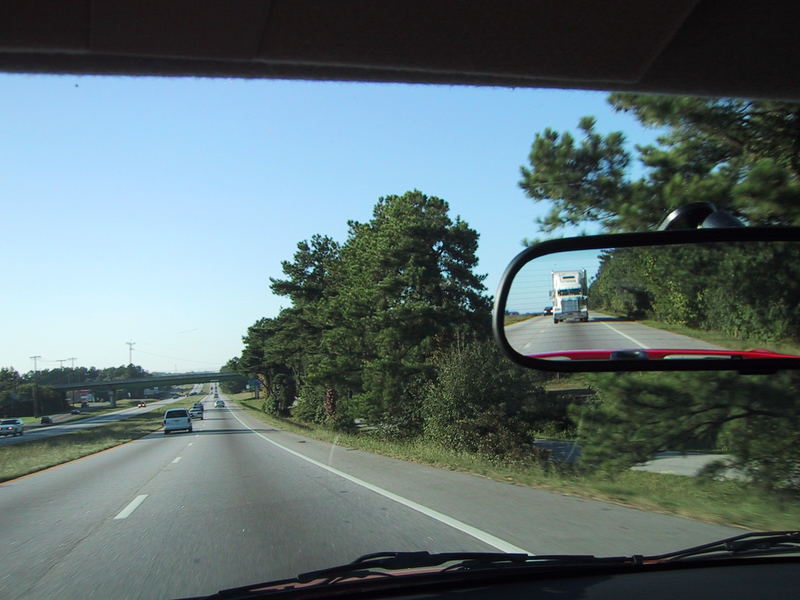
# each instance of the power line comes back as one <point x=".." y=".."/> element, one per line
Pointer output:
<point x="201" y="362"/>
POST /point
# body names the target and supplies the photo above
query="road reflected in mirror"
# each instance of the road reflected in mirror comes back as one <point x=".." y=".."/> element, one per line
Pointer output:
<point x="709" y="301"/>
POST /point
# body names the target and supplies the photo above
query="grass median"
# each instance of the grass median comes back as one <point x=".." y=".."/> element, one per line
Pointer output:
<point x="24" y="458"/>
<point x="511" y="319"/>
<point x="726" y="502"/>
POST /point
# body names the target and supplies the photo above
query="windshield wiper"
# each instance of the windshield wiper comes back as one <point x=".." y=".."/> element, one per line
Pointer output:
<point x="394" y="561"/>
<point x="381" y="564"/>
<point x="747" y="544"/>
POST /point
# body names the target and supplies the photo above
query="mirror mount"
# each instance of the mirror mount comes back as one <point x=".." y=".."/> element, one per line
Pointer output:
<point x="698" y="215"/>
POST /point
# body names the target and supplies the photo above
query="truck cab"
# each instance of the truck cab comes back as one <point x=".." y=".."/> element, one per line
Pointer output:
<point x="569" y="295"/>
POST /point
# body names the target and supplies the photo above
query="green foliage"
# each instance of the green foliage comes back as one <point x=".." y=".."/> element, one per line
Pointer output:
<point x="16" y="399"/>
<point x="740" y="155"/>
<point x="309" y="407"/>
<point x="367" y="315"/>
<point x="746" y="291"/>
<point x="481" y="402"/>
<point x="756" y="419"/>
<point x="232" y="387"/>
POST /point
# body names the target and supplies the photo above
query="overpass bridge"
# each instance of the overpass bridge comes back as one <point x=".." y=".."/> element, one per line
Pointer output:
<point x="150" y="381"/>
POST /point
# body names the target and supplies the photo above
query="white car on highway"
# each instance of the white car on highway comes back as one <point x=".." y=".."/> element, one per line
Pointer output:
<point x="177" y="419"/>
<point x="11" y="427"/>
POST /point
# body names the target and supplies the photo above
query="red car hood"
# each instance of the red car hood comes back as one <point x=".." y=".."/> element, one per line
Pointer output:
<point x="656" y="353"/>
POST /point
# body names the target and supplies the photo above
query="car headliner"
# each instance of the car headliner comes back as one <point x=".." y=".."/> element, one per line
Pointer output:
<point x="706" y="47"/>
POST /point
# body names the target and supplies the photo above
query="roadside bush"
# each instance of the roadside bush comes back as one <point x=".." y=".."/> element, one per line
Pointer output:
<point x="324" y="407"/>
<point x="755" y="419"/>
<point x="404" y="420"/>
<point x="309" y="407"/>
<point x="480" y="402"/>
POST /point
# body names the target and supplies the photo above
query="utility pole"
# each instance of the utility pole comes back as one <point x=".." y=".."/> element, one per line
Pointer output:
<point x="69" y="379"/>
<point x="130" y="352"/>
<point x="35" y="400"/>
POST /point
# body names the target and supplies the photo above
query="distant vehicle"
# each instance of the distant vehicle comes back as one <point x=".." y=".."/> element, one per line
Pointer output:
<point x="46" y="421"/>
<point x="199" y="405"/>
<point x="176" y="419"/>
<point x="219" y="404"/>
<point x="548" y="310"/>
<point x="11" y="427"/>
<point x="196" y="413"/>
<point x="569" y="295"/>
<point x="142" y="405"/>
<point x="75" y="411"/>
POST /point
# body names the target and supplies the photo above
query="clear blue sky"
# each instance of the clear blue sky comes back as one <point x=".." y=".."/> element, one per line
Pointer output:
<point x="155" y="210"/>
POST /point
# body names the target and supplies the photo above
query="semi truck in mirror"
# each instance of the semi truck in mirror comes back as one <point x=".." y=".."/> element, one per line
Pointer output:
<point x="569" y="296"/>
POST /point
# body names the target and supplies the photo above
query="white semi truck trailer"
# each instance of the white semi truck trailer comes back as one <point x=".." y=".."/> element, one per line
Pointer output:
<point x="569" y="296"/>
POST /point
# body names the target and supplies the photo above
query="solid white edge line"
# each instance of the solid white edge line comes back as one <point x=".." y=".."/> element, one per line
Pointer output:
<point x="134" y="504"/>
<point x="478" y="534"/>
<point x="614" y="329"/>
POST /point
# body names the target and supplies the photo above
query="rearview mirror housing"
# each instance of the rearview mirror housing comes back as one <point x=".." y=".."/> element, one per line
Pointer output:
<point x="577" y="304"/>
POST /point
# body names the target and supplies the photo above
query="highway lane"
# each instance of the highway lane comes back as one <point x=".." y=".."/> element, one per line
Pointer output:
<point x="237" y="502"/>
<point x="601" y="332"/>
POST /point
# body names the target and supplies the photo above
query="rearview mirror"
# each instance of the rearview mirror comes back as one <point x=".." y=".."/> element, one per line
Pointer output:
<point x="709" y="299"/>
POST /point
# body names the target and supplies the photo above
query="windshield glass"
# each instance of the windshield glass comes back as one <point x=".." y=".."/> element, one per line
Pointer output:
<point x="322" y="258"/>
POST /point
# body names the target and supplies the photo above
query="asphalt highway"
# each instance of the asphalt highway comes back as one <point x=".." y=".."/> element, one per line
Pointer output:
<point x="602" y="332"/>
<point x="237" y="502"/>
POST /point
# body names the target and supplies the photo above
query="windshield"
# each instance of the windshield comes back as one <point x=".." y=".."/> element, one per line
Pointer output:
<point x="322" y="258"/>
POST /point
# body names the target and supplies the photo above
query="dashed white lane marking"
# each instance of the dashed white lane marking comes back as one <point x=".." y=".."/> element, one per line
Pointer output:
<point x="190" y="443"/>
<point x="625" y="335"/>
<point x="177" y="459"/>
<point x="483" y="536"/>
<point x="134" y="504"/>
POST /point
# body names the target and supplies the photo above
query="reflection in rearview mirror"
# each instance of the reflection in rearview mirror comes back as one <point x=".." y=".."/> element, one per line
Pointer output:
<point x="723" y="300"/>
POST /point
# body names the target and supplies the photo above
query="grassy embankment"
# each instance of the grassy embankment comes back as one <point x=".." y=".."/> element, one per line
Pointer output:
<point x="728" y="502"/>
<point x="28" y="457"/>
<point x="511" y="319"/>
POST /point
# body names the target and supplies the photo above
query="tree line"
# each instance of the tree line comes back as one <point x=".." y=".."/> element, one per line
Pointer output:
<point x="17" y="389"/>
